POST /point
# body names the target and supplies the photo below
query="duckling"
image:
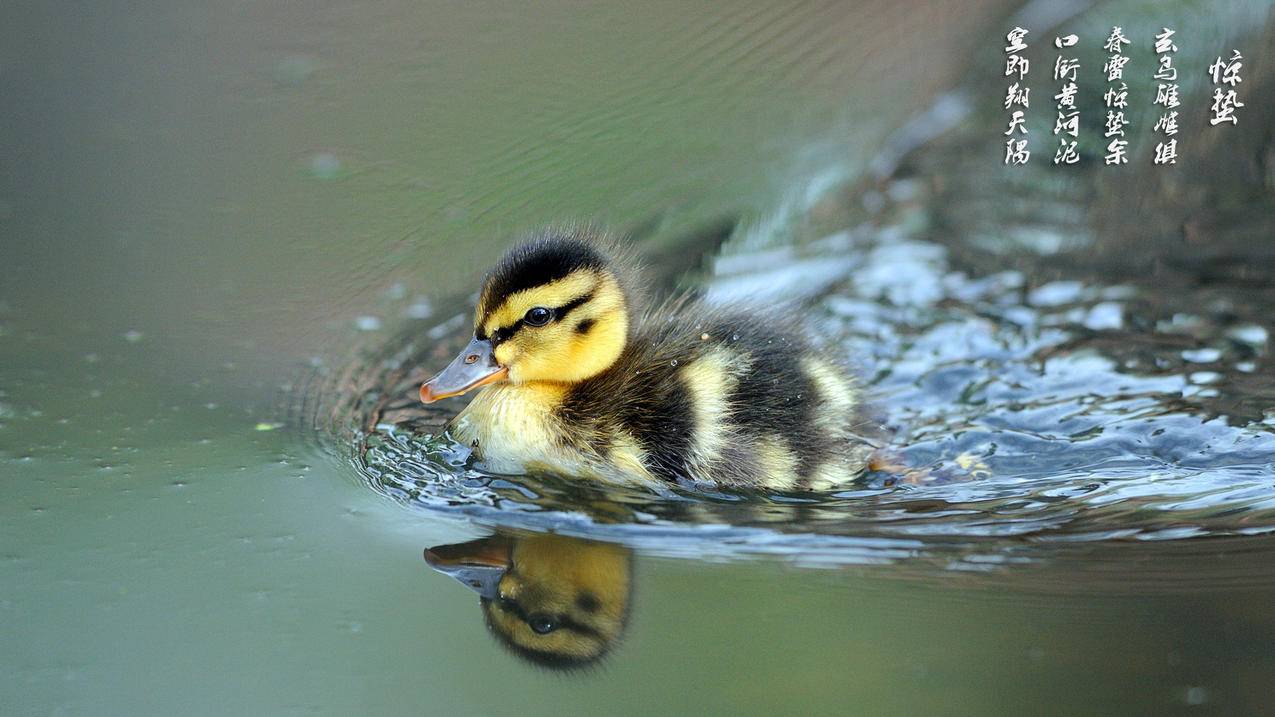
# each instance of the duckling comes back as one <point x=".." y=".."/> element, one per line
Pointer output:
<point x="555" y="601"/>
<point x="577" y="378"/>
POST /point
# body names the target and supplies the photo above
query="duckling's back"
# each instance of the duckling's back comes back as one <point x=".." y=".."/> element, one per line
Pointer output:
<point x="728" y="396"/>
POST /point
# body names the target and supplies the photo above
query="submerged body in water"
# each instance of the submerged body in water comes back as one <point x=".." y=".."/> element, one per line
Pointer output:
<point x="577" y="379"/>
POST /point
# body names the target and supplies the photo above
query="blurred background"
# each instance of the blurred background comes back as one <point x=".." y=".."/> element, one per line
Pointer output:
<point x="208" y="210"/>
<point x="218" y="174"/>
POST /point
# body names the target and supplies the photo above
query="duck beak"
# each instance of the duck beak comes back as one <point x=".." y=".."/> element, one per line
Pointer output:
<point x="475" y="366"/>
<point x="478" y="564"/>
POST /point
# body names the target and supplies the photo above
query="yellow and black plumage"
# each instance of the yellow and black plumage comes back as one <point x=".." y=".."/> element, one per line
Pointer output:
<point x="553" y="600"/>
<point x="578" y="379"/>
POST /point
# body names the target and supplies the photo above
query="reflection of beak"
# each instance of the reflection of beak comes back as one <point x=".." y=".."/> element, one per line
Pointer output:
<point x="478" y="564"/>
<point x="475" y="366"/>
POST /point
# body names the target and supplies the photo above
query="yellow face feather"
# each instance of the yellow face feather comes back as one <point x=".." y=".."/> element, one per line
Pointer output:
<point x="515" y="306"/>
<point x="570" y="348"/>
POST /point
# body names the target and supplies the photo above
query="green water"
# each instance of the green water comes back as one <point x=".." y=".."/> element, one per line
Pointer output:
<point x="200" y="204"/>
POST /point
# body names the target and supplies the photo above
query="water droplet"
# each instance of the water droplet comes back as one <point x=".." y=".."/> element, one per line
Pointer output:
<point x="367" y="323"/>
<point x="294" y="70"/>
<point x="1251" y="334"/>
<point x="1205" y="355"/>
<point x="325" y="165"/>
<point x="420" y="309"/>
<point x="673" y="362"/>
<point x="1196" y="695"/>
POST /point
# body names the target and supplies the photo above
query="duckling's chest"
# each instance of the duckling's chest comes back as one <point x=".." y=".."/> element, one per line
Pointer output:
<point x="514" y="429"/>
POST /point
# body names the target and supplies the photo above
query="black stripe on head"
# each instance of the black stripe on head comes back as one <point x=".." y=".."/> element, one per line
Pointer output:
<point x="536" y="263"/>
<point x="559" y="313"/>
<point x="544" y="658"/>
<point x="565" y="622"/>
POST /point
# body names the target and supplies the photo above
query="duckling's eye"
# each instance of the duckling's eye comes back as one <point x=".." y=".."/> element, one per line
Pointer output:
<point x="541" y="624"/>
<point x="538" y="316"/>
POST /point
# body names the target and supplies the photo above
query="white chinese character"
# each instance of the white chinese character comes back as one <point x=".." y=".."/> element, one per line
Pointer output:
<point x="1065" y="68"/>
<point x="1016" y="95"/>
<point x="1114" y="67"/>
<point x="1017" y="63"/>
<point x="1167" y="152"/>
<point x="1016" y="151"/>
<point x="1067" y="95"/>
<point x="1116" y="39"/>
<point x="1168" y="123"/>
<point x="1164" y="42"/>
<point x="1017" y="122"/>
<point x="1115" y="124"/>
<point x="1167" y="95"/>
<point x="1227" y="72"/>
<point x="1067" y="153"/>
<point x="1116" y="153"/>
<point x="1167" y="71"/>
<point x="1224" y="106"/>
<point x="1069" y="123"/>
<point x="1117" y="98"/>
<point x="1015" y="40"/>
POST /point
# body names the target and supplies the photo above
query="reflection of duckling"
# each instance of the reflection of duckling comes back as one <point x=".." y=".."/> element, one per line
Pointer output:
<point x="556" y="601"/>
<point x="578" y="382"/>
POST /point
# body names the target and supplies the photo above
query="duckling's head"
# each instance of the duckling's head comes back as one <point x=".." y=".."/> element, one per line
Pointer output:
<point x="553" y="309"/>
<point x="555" y="601"/>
